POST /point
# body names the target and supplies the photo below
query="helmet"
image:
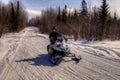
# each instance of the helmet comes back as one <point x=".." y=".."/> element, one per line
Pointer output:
<point x="54" y="29"/>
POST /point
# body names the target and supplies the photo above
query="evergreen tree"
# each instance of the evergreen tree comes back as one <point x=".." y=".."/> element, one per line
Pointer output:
<point x="75" y="13"/>
<point x="13" y="19"/>
<point x="84" y="20"/>
<point x="64" y="14"/>
<point x="115" y="16"/>
<point x="84" y="10"/>
<point x="104" y="12"/>
<point x="59" y="14"/>
<point x="17" y="13"/>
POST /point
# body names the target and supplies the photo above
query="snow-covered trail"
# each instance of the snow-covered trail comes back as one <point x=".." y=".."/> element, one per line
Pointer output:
<point x="94" y="65"/>
<point x="24" y="57"/>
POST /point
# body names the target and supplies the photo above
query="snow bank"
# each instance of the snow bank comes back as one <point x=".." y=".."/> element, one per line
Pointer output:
<point x="108" y="49"/>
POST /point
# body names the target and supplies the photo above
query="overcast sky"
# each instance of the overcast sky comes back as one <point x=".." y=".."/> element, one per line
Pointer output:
<point x="34" y="7"/>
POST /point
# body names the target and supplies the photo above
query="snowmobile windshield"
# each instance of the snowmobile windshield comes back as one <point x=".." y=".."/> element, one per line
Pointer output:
<point x="60" y="38"/>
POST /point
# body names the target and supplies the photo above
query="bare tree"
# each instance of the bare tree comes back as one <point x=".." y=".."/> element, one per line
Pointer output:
<point x="12" y="17"/>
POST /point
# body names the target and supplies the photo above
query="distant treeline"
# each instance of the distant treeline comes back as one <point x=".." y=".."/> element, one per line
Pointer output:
<point x="12" y="17"/>
<point x="83" y="23"/>
<point x="95" y="24"/>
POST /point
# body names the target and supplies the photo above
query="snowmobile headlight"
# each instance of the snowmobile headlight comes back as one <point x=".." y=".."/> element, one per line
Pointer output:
<point x="64" y="44"/>
<point x="59" y="43"/>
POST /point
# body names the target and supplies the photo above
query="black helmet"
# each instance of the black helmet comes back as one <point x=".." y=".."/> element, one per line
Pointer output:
<point x="54" y="29"/>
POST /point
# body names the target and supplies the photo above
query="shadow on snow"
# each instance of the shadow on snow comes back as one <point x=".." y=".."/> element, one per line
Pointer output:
<point x="40" y="60"/>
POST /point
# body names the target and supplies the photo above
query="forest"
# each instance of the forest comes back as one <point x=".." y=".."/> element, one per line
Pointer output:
<point x="81" y="24"/>
<point x="13" y="17"/>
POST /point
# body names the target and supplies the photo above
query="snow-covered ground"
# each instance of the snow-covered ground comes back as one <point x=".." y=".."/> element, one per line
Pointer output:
<point x="23" y="56"/>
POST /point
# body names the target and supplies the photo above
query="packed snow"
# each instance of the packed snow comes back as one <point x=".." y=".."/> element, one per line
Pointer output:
<point x="23" y="56"/>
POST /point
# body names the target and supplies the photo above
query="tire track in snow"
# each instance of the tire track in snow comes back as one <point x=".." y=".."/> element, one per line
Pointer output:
<point x="101" y="68"/>
<point x="32" y="51"/>
<point x="92" y="51"/>
<point x="43" y="70"/>
<point x="24" y="65"/>
<point x="90" y="67"/>
<point x="10" y="55"/>
<point x="71" y="71"/>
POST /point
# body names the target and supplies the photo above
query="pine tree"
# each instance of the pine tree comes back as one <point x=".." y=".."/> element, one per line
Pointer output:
<point x="84" y="10"/>
<point x="84" y="19"/>
<point x="59" y="14"/>
<point x="13" y="19"/>
<point x="115" y="16"/>
<point x="64" y="14"/>
<point x="17" y="13"/>
<point x="75" y="13"/>
<point x="104" y="12"/>
<point x="17" y="16"/>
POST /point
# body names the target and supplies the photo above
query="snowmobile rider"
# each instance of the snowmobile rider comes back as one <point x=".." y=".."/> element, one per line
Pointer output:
<point x="53" y="35"/>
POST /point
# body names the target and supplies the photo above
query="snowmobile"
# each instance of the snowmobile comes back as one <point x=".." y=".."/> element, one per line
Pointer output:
<point x="59" y="50"/>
